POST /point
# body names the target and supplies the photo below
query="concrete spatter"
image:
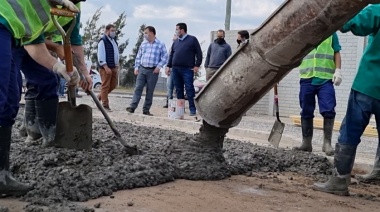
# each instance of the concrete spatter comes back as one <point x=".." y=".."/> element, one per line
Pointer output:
<point x="61" y="175"/>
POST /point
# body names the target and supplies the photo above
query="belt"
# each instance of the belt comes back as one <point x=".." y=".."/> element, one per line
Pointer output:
<point x="148" y="67"/>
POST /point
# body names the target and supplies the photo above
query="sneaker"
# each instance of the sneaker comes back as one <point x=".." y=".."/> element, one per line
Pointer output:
<point x="147" y="113"/>
<point x="79" y="96"/>
<point x="107" y="108"/>
<point x="131" y="110"/>
<point x="62" y="96"/>
<point x="193" y="113"/>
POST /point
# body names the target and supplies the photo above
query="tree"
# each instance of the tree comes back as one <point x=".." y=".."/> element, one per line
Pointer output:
<point x="91" y="36"/>
<point x="120" y="23"/>
<point x="129" y="78"/>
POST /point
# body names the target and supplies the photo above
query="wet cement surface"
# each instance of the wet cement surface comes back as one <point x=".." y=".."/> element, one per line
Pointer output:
<point x="62" y="176"/>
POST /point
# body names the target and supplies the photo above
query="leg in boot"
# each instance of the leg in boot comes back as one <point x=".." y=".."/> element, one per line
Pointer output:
<point x="328" y="125"/>
<point x="374" y="175"/>
<point x="22" y="131"/>
<point x="47" y="120"/>
<point x="31" y="124"/>
<point x="343" y="162"/>
<point x="307" y="135"/>
<point x="167" y="103"/>
<point x="8" y="185"/>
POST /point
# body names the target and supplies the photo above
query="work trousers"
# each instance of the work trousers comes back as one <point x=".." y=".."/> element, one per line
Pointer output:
<point x="326" y="99"/>
<point x="359" y="110"/>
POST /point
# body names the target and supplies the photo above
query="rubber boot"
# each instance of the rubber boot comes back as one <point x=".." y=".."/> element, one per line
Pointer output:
<point x="30" y="121"/>
<point x="47" y="120"/>
<point x="22" y="131"/>
<point x="375" y="173"/>
<point x="307" y="135"/>
<point x="341" y="176"/>
<point x="8" y="185"/>
<point x="167" y="103"/>
<point x="328" y="126"/>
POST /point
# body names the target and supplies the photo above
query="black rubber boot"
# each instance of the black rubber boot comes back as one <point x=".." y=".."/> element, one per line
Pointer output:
<point x="343" y="162"/>
<point x="328" y="126"/>
<point x="375" y="173"/>
<point x="47" y="120"/>
<point x="30" y="121"/>
<point x="307" y="135"/>
<point x="8" y="185"/>
<point x="167" y="103"/>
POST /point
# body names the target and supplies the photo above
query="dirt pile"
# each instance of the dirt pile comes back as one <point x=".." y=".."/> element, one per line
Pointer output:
<point x="61" y="175"/>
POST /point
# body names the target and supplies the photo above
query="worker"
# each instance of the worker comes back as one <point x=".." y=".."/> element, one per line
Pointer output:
<point x="320" y="70"/>
<point x="21" y="22"/>
<point x="364" y="100"/>
<point x="41" y="98"/>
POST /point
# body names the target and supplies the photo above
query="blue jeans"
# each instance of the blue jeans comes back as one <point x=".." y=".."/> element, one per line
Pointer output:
<point x="184" y="77"/>
<point x="61" y="89"/>
<point x="148" y="78"/>
<point x="359" y="110"/>
<point x="326" y="99"/>
<point x="10" y="82"/>
<point x="42" y="83"/>
<point x="170" y="86"/>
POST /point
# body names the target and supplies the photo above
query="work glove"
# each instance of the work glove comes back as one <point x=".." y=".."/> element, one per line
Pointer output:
<point x="337" y="78"/>
<point x="60" y="69"/>
<point x="66" y="3"/>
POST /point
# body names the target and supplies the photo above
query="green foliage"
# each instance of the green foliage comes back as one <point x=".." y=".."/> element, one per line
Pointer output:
<point x="129" y="79"/>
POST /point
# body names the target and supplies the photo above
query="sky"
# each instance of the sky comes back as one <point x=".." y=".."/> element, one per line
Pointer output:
<point x="201" y="16"/>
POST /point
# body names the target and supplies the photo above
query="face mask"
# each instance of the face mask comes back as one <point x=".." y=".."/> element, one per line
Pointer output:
<point x="146" y="36"/>
<point x="238" y="41"/>
<point x="177" y="33"/>
<point x="112" y="34"/>
<point x="219" y="40"/>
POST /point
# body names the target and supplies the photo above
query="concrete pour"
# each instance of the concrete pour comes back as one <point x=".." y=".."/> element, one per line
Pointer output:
<point x="61" y="176"/>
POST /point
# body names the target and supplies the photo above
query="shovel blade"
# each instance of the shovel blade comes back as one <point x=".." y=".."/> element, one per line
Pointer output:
<point x="276" y="133"/>
<point x="74" y="126"/>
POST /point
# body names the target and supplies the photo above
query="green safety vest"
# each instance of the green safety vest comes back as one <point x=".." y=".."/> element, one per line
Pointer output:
<point x="319" y="62"/>
<point x="28" y="19"/>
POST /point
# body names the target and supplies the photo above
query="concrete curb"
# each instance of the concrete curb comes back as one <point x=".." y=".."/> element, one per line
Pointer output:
<point x="240" y="133"/>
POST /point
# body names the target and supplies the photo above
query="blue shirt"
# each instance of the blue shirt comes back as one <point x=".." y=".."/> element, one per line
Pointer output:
<point x="151" y="54"/>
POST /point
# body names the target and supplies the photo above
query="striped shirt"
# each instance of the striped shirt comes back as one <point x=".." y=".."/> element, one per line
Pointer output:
<point x="151" y="55"/>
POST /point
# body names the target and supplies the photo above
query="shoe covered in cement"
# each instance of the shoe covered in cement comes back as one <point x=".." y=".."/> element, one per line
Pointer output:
<point x="375" y="173"/>
<point x="10" y="186"/>
<point x="328" y="126"/>
<point x="46" y="112"/>
<point x="341" y="176"/>
<point x="31" y="123"/>
<point x="307" y="135"/>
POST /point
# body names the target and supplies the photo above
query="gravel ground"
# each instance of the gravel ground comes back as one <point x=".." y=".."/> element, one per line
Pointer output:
<point x="61" y="176"/>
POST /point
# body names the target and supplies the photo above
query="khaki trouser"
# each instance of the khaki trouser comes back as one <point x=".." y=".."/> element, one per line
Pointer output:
<point x="210" y="72"/>
<point x="109" y="82"/>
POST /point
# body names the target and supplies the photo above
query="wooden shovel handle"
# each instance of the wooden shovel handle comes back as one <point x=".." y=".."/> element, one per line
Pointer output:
<point x="62" y="12"/>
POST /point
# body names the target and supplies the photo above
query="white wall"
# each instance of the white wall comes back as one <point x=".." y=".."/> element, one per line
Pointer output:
<point x="352" y="49"/>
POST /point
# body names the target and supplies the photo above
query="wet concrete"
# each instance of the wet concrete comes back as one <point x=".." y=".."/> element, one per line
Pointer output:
<point x="62" y="176"/>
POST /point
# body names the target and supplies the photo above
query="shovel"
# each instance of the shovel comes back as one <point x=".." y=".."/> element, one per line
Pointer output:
<point x="74" y="123"/>
<point x="278" y="126"/>
<point x="130" y="149"/>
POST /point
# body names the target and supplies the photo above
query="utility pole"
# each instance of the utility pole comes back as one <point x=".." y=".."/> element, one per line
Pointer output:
<point x="228" y="16"/>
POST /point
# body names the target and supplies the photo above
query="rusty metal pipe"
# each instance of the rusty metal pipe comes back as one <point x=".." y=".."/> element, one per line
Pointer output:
<point x="274" y="49"/>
